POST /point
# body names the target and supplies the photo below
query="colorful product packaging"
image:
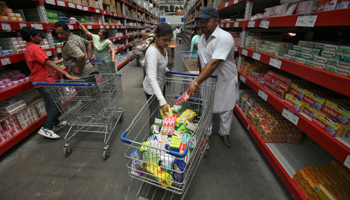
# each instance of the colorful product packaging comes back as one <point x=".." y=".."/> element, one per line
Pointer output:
<point x="183" y="98"/>
<point x="331" y="126"/>
<point x="293" y="102"/>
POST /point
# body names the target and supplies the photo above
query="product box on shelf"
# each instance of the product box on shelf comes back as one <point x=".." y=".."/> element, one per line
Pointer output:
<point x="294" y="102"/>
<point x="337" y="111"/>
<point x="331" y="126"/>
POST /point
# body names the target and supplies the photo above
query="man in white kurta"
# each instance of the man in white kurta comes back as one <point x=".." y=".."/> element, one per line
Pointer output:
<point x="216" y="57"/>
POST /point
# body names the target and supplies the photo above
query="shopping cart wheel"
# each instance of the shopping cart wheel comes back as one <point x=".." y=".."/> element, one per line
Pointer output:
<point x="105" y="154"/>
<point x="67" y="150"/>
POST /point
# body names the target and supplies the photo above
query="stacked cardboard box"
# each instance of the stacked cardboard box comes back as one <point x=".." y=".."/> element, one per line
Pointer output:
<point x="324" y="181"/>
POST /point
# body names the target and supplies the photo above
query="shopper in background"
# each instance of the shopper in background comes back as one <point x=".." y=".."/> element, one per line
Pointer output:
<point x="102" y="45"/>
<point x="177" y="32"/>
<point x="76" y="53"/>
<point x="216" y="57"/>
<point x="156" y="62"/>
<point x="197" y="32"/>
<point x="43" y="70"/>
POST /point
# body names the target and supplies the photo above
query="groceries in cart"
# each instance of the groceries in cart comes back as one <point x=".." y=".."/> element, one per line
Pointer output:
<point x="173" y="133"/>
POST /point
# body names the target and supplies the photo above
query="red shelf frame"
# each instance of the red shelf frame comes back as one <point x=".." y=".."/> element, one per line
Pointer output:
<point x="330" y="80"/>
<point x="125" y="62"/>
<point x="276" y="165"/>
<point x="16" y="25"/>
<point x="228" y="4"/>
<point x="339" y="150"/>
<point x="15" y="90"/>
<point x="20" y="57"/>
<point x="122" y="48"/>
<point x="21" y="135"/>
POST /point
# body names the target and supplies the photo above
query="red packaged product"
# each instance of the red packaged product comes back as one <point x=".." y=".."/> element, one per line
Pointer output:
<point x="183" y="98"/>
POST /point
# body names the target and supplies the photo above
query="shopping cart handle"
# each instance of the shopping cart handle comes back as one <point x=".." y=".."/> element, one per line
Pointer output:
<point x="179" y="155"/>
<point x="189" y="99"/>
<point x="188" y="52"/>
<point x="125" y="140"/>
<point x="118" y="74"/>
<point x="62" y="84"/>
<point x="188" y="74"/>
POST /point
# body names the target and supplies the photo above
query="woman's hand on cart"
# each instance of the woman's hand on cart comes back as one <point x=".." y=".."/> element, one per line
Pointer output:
<point x="165" y="108"/>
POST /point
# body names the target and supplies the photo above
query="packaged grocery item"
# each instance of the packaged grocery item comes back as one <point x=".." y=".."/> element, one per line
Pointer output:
<point x="319" y="65"/>
<point x="187" y="115"/>
<point x="330" y="47"/>
<point x="344" y="49"/>
<point x="177" y="109"/>
<point x="179" y="167"/>
<point x="326" y="123"/>
<point x="137" y="164"/>
<point x="328" y="54"/>
<point x="166" y="114"/>
<point x="183" y="98"/>
<point x="164" y="178"/>
<point x="336" y="111"/>
<point x="342" y="71"/>
<point x="314" y="99"/>
<point x="318" y="45"/>
<point x="293" y="102"/>
<point x="175" y="142"/>
<point x="154" y="129"/>
<point x="302" y="43"/>
<point x="343" y="65"/>
<point x="297" y="48"/>
<point x="182" y="128"/>
<point x="168" y="126"/>
<point x="330" y="5"/>
<point x="309" y="110"/>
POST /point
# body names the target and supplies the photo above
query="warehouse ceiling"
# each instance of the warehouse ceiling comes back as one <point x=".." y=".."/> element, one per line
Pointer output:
<point x="172" y="2"/>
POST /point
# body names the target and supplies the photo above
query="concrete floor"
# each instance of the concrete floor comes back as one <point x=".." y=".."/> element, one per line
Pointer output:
<point x="37" y="169"/>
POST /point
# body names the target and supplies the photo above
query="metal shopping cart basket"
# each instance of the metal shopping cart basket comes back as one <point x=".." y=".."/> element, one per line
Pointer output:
<point x="105" y="66"/>
<point x="89" y="106"/>
<point x="155" y="166"/>
<point x="189" y="62"/>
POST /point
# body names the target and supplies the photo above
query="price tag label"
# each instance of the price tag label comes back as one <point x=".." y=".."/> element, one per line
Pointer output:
<point x="79" y="7"/>
<point x="263" y="94"/>
<point x="347" y="161"/>
<point x="105" y="12"/>
<point x="59" y="50"/>
<point x="236" y="24"/>
<point x="71" y="27"/>
<point x="226" y="4"/>
<point x="97" y="10"/>
<point x="71" y="5"/>
<point x="222" y="25"/>
<point x="122" y="27"/>
<point x="89" y="27"/>
<point x="5" y="61"/>
<point x="52" y="2"/>
<point x="306" y="20"/>
<point x="245" y="52"/>
<point x="61" y="3"/>
<point x="48" y="53"/>
<point x="6" y="26"/>
<point x="291" y="116"/>
<point x="242" y="78"/>
<point x="275" y="62"/>
<point x="264" y="24"/>
<point x="107" y="27"/>
<point x="22" y="24"/>
<point x="113" y="27"/>
<point x="228" y="25"/>
<point x="256" y="56"/>
<point x="251" y="24"/>
<point x="101" y="26"/>
<point x="123" y="47"/>
<point x="113" y="39"/>
<point x="37" y="26"/>
<point x="236" y="48"/>
<point x="85" y="8"/>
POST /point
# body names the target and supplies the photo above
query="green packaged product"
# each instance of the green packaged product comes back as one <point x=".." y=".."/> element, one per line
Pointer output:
<point x="330" y="68"/>
<point x="175" y="142"/>
<point x="182" y="128"/>
<point x="332" y="61"/>
<point x="316" y="51"/>
<point x="302" y="43"/>
<point x="318" y="45"/>
<point x="309" y="62"/>
<point x="330" y="47"/>
<point x="292" y="52"/>
<point x="328" y="54"/>
<point x="297" y="48"/>
<point x="344" y="49"/>
<point x="306" y="50"/>
<point x="310" y="44"/>
<point x="307" y="56"/>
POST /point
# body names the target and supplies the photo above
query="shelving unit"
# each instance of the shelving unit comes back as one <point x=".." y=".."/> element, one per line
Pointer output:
<point x="286" y="159"/>
<point x="47" y="28"/>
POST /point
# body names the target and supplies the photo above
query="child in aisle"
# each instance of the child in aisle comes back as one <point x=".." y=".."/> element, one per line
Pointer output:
<point x="156" y="62"/>
<point x="43" y="70"/>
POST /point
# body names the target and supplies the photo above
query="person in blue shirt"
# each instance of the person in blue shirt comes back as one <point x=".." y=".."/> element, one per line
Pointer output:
<point x="197" y="32"/>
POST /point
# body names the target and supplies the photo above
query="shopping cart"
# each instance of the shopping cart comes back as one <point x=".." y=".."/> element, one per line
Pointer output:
<point x="105" y="66"/>
<point x="89" y="107"/>
<point x="189" y="62"/>
<point x="143" y="158"/>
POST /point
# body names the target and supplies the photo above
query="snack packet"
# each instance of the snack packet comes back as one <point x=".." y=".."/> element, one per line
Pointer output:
<point x="181" y="128"/>
<point x="164" y="178"/>
<point x="187" y="115"/>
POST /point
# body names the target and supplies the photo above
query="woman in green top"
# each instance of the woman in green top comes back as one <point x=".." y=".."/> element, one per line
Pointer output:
<point x="197" y="32"/>
<point x="102" y="45"/>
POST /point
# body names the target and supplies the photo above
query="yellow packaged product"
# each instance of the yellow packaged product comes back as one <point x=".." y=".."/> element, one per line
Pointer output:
<point x="167" y="114"/>
<point x="164" y="178"/>
<point x="187" y="115"/>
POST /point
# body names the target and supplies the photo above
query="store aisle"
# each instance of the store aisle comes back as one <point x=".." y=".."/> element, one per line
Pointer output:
<point x="37" y="169"/>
